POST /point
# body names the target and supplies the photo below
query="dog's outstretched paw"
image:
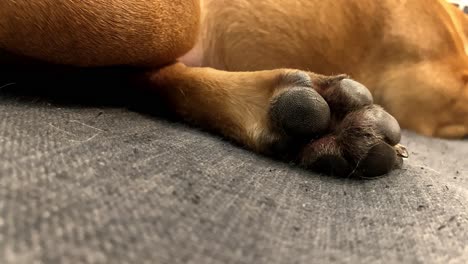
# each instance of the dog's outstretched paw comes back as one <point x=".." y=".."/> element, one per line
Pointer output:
<point x="326" y="123"/>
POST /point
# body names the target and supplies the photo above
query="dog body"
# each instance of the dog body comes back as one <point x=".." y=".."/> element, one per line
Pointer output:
<point x="251" y="88"/>
<point x="412" y="55"/>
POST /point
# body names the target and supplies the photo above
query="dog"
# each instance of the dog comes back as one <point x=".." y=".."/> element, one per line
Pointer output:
<point x="264" y="73"/>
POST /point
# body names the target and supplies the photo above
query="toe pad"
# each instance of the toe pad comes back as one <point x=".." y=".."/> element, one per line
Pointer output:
<point x="300" y="111"/>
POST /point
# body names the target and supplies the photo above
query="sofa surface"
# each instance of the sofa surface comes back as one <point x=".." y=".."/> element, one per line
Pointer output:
<point x="91" y="184"/>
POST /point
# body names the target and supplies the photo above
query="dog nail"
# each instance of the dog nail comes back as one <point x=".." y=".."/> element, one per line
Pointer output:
<point x="401" y="151"/>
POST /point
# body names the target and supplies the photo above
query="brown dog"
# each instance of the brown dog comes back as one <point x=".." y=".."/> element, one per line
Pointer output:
<point x="410" y="53"/>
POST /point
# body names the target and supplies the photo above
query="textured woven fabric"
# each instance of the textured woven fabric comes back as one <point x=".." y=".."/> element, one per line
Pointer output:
<point x="107" y="185"/>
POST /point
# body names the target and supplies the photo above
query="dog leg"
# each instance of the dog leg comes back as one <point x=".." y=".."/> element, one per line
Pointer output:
<point x="99" y="32"/>
<point x="324" y="123"/>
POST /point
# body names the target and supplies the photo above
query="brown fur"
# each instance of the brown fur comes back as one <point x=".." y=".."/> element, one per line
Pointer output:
<point x="410" y="54"/>
<point x="100" y="32"/>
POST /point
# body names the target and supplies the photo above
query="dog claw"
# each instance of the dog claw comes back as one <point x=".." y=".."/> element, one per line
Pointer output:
<point x="401" y="151"/>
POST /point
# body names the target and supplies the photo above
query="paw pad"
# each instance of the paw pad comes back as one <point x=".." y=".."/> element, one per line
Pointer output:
<point x="300" y="111"/>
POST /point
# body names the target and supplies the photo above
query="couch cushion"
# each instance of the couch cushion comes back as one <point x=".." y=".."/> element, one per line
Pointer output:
<point x="107" y="185"/>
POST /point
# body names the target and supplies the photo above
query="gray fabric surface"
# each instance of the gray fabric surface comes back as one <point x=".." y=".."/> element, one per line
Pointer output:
<point x="107" y="185"/>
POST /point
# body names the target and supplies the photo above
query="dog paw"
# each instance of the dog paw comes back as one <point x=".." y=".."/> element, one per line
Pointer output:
<point x="325" y="123"/>
<point x="330" y="124"/>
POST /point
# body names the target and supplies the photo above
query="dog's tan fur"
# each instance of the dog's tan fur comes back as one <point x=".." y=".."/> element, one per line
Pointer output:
<point x="100" y="32"/>
<point x="411" y="54"/>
